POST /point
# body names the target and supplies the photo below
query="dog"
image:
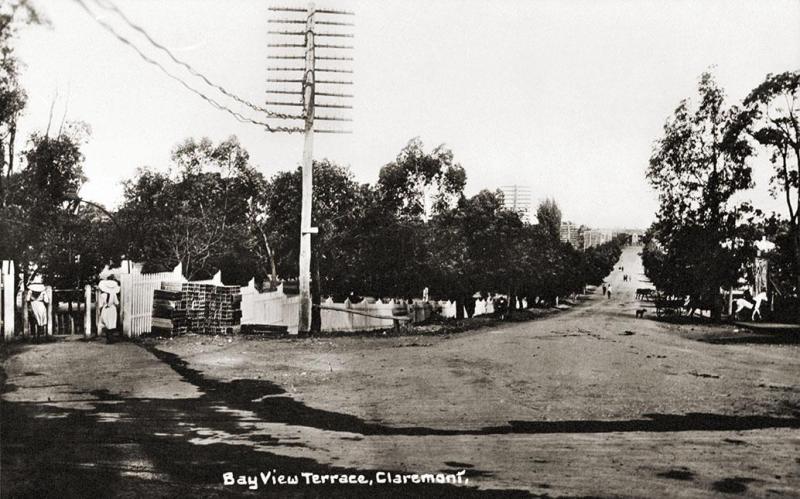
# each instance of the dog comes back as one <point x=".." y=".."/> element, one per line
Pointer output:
<point x="640" y="313"/>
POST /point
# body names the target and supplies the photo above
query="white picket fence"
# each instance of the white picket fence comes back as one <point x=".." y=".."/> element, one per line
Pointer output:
<point x="342" y="320"/>
<point x="274" y="308"/>
<point x="136" y="297"/>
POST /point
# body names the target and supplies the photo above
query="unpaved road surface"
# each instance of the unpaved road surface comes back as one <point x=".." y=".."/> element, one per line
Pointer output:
<point x="588" y="402"/>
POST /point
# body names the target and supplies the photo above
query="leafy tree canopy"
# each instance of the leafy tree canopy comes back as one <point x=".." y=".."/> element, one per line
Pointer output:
<point x="549" y="216"/>
<point x="419" y="184"/>
<point x="197" y="213"/>
<point x="696" y="167"/>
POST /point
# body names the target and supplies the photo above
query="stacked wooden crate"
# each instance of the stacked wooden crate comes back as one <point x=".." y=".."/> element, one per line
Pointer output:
<point x="196" y="308"/>
<point x="197" y="297"/>
<point x="224" y="310"/>
<point x="169" y="311"/>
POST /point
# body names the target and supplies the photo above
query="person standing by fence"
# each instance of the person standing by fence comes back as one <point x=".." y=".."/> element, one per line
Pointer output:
<point x="108" y="303"/>
<point x="37" y="297"/>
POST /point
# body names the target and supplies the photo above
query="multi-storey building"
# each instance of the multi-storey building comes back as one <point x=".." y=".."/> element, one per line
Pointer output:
<point x="596" y="237"/>
<point x="518" y="198"/>
<point x="571" y="233"/>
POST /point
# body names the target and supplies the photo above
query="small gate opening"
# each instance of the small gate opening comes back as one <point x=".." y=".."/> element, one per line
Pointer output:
<point x="69" y="313"/>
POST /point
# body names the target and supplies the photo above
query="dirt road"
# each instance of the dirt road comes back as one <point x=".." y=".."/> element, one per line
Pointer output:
<point x="591" y="401"/>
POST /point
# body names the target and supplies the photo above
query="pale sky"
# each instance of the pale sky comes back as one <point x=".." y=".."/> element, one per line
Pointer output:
<point x="564" y="96"/>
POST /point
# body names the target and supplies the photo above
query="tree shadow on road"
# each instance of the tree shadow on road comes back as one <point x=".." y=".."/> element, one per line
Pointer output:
<point x="181" y="447"/>
<point x="162" y="448"/>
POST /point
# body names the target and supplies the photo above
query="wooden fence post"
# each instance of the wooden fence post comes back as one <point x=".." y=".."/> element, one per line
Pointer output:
<point x="49" y="294"/>
<point x="126" y="304"/>
<point x="97" y="311"/>
<point x="730" y="302"/>
<point x="7" y="299"/>
<point x="87" y="311"/>
<point x="26" y="326"/>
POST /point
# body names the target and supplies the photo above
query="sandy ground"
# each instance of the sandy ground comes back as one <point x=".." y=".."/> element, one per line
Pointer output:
<point x="587" y="402"/>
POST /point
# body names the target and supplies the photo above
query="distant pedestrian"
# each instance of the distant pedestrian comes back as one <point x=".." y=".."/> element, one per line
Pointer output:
<point x="604" y="289"/>
<point x="609" y="291"/>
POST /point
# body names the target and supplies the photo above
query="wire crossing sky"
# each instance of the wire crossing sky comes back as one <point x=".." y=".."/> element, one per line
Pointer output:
<point x="566" y="97"/>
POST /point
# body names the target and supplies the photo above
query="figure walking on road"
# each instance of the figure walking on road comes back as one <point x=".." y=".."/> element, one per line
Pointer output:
<point x="609" y="291"/>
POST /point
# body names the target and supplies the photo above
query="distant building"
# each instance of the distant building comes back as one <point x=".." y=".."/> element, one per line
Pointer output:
<point x="634" y="236"/>
<point x="572" y="233"/>
<point x="596" y="237"/>
<point x="518" y="198"/>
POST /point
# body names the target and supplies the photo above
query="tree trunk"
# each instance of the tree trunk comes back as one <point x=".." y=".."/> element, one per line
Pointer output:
<point x="470" y="305"/>
<point x="796" y="249"/>
<point x="460" y="306"/>
<point x="273" y="277"/>
<point x="716" y="304"/>
<point x="12" y="137"/>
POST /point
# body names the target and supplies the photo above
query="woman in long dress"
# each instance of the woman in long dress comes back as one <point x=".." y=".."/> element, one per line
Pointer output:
<point x="108" y="304"/>
<point x="37" y="296"/>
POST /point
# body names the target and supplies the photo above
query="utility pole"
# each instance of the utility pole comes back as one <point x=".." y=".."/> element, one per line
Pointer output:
<point x="308" y="94"/>
<point x="304" y="322"/>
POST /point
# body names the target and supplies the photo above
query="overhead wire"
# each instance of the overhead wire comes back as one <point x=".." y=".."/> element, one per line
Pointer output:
<point x="238" y="116"/>
<point x="109" y="5"/>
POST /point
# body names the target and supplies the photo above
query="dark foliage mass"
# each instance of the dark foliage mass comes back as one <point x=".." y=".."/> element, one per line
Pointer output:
<point x="212" y="210"/>
<point x="697" y="166"/>
<point x="390" y="240"/>
<point x="703" y="240"/>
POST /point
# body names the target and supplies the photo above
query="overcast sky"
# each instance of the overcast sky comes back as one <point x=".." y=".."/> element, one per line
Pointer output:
<point x="564" y="96"/>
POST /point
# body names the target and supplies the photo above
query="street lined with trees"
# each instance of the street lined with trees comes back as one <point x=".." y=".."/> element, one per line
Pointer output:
<point x="415" y="229"/>
<point x="426" y="372"/>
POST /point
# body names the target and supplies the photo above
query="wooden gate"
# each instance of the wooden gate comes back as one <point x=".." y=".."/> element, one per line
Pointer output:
<point x="70" y="312"/>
